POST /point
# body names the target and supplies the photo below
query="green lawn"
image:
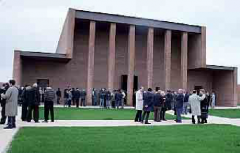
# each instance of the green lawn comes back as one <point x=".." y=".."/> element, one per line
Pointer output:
<point x="147" y="139"/>
<point x="229" y="113"/>
<point x="96" y="114"/>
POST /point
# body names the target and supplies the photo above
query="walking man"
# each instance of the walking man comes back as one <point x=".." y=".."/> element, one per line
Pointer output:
<point x="139" y="104"/>
<point x="11" y="97"/>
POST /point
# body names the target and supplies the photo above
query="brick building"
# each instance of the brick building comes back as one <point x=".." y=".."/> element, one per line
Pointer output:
<point x="97" y="50"/>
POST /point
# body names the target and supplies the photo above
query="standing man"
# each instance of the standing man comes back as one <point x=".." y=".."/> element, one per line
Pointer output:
<point x="11" y="97"/>
<point x="48" y="104"/>
<point x="73" y="96"/>
<point x="179" y="105"/>
<point x="185" y="102"/>
<point x="102" y="96"/>
<point x="3" y="102"/>
<point x="59" y="95"/>
<point x="139" y="104"/>
<point x="77" y="97"/>
<point x="24" y="103"/>
<point x="157" y="106"/>
<point x="33" y="98"/>
<point x="83" y="97"/>
<point x="94" y="97"/>
<point x="108" y="98"/>
<point x="164" y="106"/>
<point x="169" y="100"/>
<point x="148" y="98"/>
<point x="123" y="98"/>
<point x="213" y="100"/>
<point x="204" y="106"/>
<point x="118" y="98"/>
<point x="194" y="101"/>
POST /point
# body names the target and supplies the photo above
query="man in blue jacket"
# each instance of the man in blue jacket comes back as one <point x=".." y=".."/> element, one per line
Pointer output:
<point x="148" y="100"/>
<point x="179" y="105"/>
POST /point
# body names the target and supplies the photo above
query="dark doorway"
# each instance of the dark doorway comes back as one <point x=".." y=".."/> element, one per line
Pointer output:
<point x="124" y="79"/>
<point x="198" y="88"/>
<point x="43" y="83"/>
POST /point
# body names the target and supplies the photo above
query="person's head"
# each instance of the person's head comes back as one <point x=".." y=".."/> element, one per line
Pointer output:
<point x="194" y="92"/>
<point x="58" y="88"/>
<point x="202" y="91"/>
<point x="150" y="89"/>
<point x="180" y="91"/>
<point x="35" y="85"/>
<point x="12" y="82"/>
<point x="141" y="88"/>
<point x="162" y="93"/>
<point x="184" y="91"/>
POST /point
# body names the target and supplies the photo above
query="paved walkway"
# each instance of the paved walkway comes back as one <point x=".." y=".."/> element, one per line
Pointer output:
<point x="6" y="136"/>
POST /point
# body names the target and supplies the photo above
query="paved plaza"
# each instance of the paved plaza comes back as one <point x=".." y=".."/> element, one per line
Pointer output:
<point x="6" y="136"/>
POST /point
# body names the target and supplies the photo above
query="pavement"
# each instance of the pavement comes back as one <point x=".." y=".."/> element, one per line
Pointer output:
<point x="6" y="136"/>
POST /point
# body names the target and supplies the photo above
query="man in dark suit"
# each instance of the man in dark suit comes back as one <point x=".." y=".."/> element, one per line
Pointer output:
<point x="59" y="95"/>
<point x="3" y="103"/>
<point x="158" y="102"/>
<point x="179" y="105"/>
<point x="33" y="100"/>
<point x="83" y="97"/>
<point x="148" y="99"/>
<point x="77" y="97"/>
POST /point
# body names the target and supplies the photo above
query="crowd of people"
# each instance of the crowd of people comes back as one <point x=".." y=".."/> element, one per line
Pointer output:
<point x="180" y="102"/>
<point x="30" y="97"/>
<point x="103" y="98"/>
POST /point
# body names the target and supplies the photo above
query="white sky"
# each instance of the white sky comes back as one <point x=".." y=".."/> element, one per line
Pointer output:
<point x="35" y="25"/>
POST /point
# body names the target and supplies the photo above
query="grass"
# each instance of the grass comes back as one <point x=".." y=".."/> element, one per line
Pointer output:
<point x="229" y="113"/>
<point x="147" y="139"/>
<point x="96" y="114"/>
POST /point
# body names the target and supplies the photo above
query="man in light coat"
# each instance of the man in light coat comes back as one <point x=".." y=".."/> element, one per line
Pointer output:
<point x="194" y="101"/>
<point x="139" y="104"/>
<point x="11" y="97"/>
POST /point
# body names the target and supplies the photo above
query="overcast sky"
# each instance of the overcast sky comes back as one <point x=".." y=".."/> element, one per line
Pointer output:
<point x="35" y="25"/>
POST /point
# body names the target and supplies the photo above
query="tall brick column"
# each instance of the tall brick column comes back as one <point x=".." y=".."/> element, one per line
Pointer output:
<point x="17" y="68"/>
<point x="111" y="56"/>
<point x="91" y="49"/>
<point x="150" y="44"/>
<point x="167" y="59"/>
<point x="184" y="59"/>
<point x="235" y="81"/>
<point x="131" y="64"/>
